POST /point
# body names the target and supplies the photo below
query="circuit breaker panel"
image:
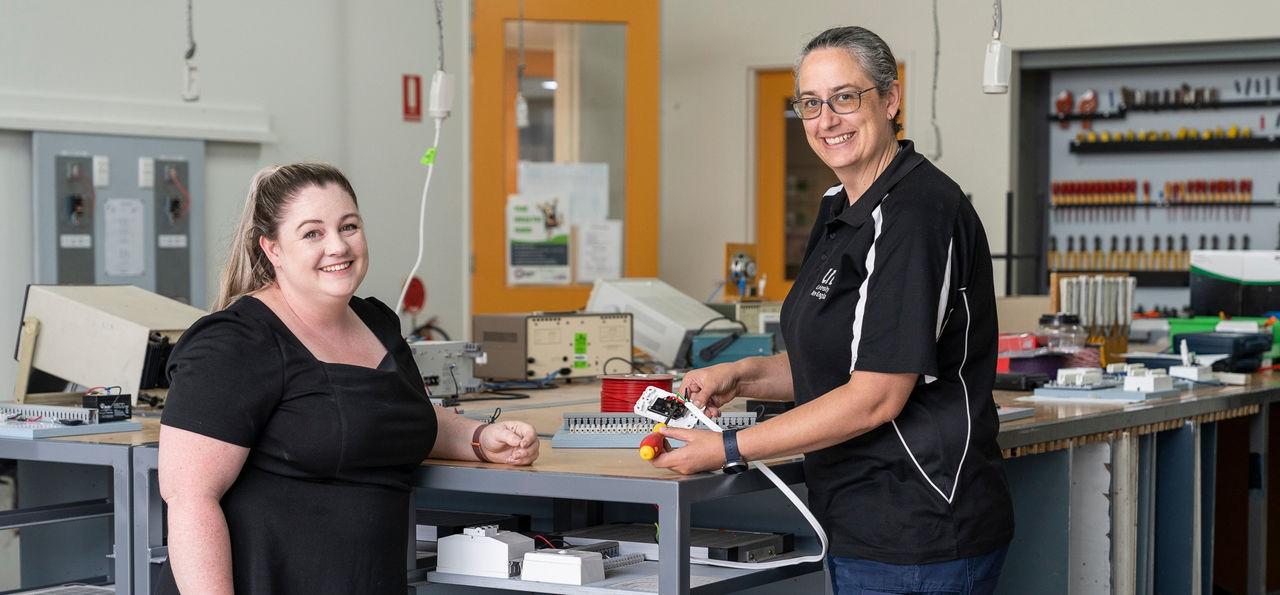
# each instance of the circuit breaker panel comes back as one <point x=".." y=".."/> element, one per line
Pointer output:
<point x="74" y="206"/>
<point x="120" y="210"/>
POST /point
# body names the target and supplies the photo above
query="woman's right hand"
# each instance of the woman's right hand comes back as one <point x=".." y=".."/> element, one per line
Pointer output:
<point x="711" y="387"/>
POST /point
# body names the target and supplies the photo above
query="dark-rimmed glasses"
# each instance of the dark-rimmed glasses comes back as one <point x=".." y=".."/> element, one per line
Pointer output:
<point x="844" y="102"/>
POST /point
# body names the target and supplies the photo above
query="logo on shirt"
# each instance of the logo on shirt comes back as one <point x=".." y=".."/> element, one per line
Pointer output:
<point x="824" y="287"/>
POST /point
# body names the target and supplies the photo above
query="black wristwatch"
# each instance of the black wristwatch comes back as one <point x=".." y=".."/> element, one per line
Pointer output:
<point x="733" y="462"/>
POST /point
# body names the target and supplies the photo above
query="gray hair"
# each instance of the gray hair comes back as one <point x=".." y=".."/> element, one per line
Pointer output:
<point x="866" y="48"/>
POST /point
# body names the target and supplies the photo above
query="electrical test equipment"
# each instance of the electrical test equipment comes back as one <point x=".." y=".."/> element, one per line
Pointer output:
<point x="551" y="344"/>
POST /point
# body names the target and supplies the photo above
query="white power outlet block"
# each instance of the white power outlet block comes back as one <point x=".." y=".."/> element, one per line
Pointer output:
<point x="1195" y="373"/>
<point x="482" y="551"/>
<point x="564" y="567"/>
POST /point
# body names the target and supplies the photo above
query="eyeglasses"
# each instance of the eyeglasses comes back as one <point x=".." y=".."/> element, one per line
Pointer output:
<point x="845" y="102"/>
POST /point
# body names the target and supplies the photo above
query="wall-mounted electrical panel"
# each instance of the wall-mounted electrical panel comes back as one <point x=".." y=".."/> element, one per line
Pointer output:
<point x="120" y="210"/>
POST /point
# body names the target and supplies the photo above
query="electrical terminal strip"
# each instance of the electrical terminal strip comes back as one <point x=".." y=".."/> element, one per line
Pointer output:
<point x="622" y="561"/>
<point x="607" y="549"/>
<point x="51" y="413"/>
<point x="622" y="430"/>
<point x="612" y="553"/>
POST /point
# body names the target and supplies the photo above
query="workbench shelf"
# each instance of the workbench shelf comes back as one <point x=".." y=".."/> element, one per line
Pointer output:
<point x="1121" y="112"/>
<point x="1166" y="146"/>
<point x="1168" y="205"/>
<point x="1116" y="115"/>
<point x="633" y="579"/>
<point x="1144" y="278"/>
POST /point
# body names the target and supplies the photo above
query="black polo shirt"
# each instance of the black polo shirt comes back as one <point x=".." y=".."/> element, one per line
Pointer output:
<point x="901" y="282"/>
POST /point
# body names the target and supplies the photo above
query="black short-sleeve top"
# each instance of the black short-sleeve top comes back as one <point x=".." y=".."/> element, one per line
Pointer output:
<point x="322" y="502"/>
<point x="901" y="282"/>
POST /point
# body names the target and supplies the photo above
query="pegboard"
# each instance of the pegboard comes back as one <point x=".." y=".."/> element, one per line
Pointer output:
<point x="1172" y="181"/>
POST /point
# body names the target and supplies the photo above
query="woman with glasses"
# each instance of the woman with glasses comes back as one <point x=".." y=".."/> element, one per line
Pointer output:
<point x="891" y="331"/>
<point x="296" y="414"/>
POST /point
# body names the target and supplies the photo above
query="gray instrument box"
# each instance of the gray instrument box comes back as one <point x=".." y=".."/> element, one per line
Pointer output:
<point x="567" y="344"/>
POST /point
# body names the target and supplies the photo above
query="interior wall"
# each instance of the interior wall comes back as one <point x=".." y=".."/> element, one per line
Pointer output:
<point x="707" y="91"/>
<point x="387" y="39"/>
<point x="327" y="72"/>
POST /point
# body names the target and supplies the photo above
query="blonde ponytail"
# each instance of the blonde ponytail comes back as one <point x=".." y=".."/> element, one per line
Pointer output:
<point x="247" y="268"/>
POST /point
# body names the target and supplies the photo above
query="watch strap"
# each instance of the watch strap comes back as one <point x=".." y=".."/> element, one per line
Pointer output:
<point x="475" y="443"/>
<point x="733" y="462"/>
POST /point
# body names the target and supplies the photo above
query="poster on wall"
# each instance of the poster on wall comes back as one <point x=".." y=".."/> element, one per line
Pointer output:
<point x="585" y="186"/>
<point x="599" y="250"/>
<point x="537" y="240"/>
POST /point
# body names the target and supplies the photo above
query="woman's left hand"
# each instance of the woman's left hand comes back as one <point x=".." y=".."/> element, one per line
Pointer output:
<point x="703" y="451"/>
<point x="510" y="442"/>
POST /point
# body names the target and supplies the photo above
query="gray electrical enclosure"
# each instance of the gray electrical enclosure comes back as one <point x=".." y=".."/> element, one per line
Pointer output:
<point x="120" y="210"/>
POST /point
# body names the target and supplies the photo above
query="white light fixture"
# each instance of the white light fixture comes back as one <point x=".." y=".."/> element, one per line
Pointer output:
<point x="998" y="63"/>
<point x="550" y="85"/>
<point x="522" y="106"/>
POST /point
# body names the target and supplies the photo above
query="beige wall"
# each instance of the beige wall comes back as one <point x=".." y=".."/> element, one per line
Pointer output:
<point x="328" y="73"/>
<point x="711" y="47"/>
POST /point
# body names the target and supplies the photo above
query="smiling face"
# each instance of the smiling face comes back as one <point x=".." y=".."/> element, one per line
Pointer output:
<point x="319" y="248"/>
<point x="850" y="144"/>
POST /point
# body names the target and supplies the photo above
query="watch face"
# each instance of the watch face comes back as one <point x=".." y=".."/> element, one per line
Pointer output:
<point x="735" y="467"/>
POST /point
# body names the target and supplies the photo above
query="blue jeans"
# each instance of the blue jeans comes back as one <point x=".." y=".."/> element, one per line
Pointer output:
<point x="966" y="576"/>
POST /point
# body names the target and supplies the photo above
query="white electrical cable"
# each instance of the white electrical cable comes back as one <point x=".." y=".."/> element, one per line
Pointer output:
<point x="431" y="165"/>
<point x="786" y="491"/>
<point x="422" y="220"/>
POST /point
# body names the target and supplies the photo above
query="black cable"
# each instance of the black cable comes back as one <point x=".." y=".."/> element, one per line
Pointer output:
<point x="704" y="325"/>
<point x="440" y="29"/>
<point x="505" y="396"/>
<point x="457" y="390"/>
<point x="710" y="352"/>
<point x="191" y="36"/>
<point x="634" y="367"/>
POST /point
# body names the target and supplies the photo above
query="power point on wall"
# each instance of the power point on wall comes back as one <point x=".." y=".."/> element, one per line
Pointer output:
<point x="190" y="81"/>
<point x="441" y="99"/>
<point x="101" y="171"/>
<point x="146" y="172"/>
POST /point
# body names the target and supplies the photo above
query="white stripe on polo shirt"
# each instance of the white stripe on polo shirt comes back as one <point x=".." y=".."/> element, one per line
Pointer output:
<point x="877" y="215"/>
<point x="942" y="301"/>
<point x="968" y="415"/>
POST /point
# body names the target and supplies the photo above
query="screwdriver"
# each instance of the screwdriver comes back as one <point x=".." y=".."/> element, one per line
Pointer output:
<point x="652" y="444"/>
